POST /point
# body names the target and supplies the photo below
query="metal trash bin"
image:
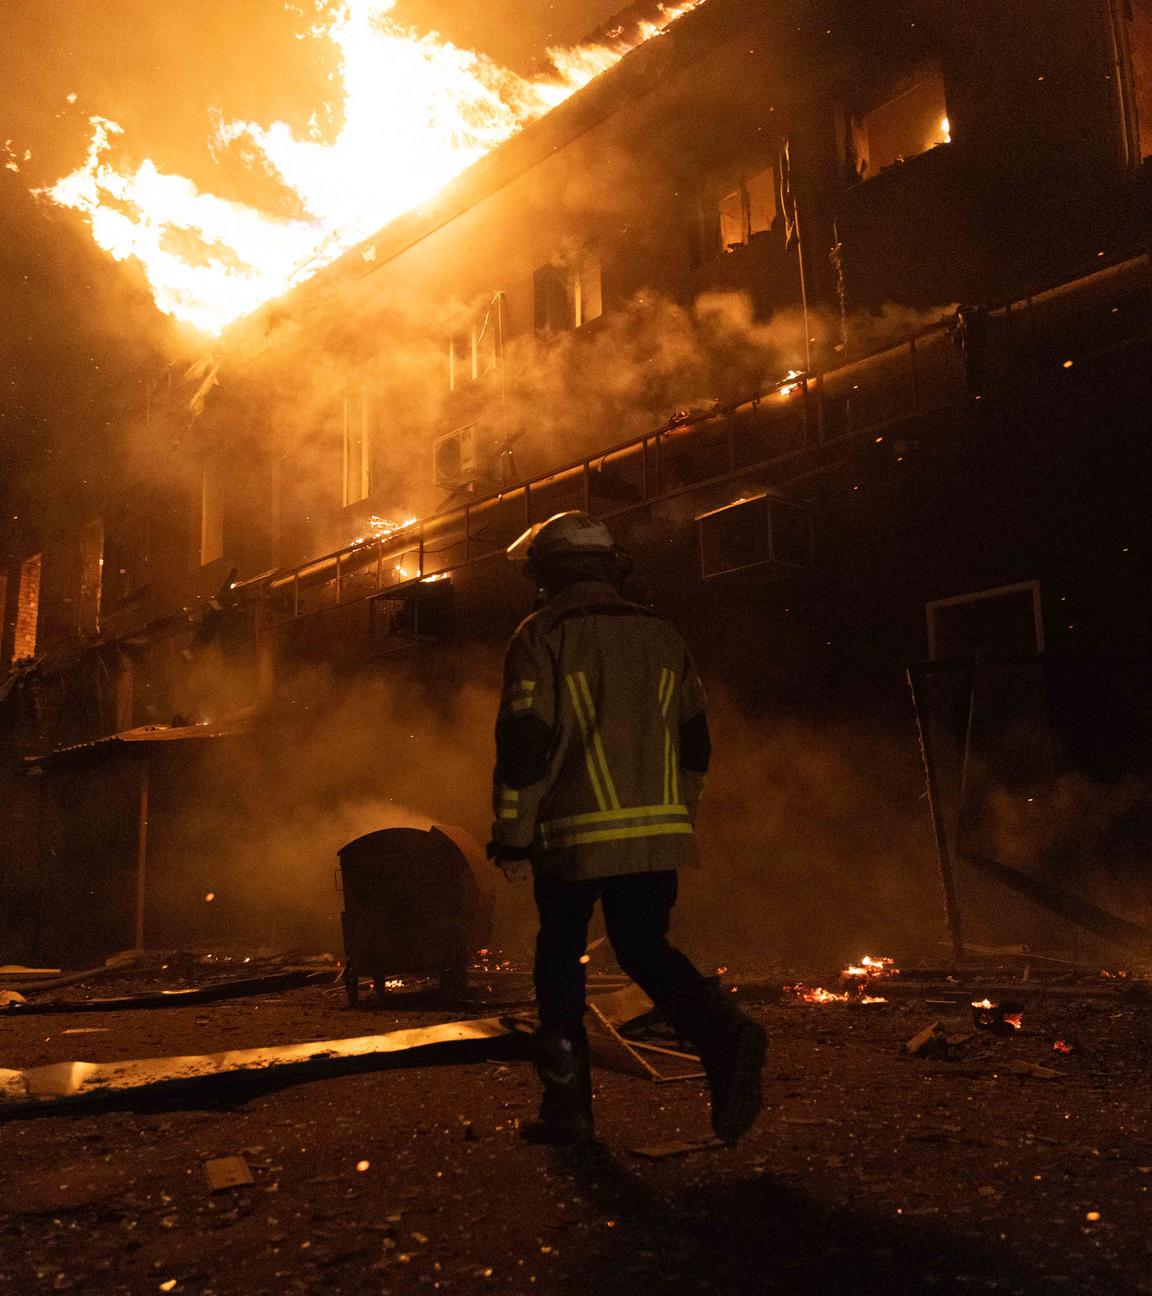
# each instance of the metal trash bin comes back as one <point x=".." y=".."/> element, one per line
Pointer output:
<point x="415" y="902"/>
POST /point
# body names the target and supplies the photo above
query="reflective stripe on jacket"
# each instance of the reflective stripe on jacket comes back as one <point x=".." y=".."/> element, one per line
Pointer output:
<point x="602" y="739"/>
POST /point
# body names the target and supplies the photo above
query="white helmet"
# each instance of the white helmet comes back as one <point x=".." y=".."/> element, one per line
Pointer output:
<point x="563" y="535"/>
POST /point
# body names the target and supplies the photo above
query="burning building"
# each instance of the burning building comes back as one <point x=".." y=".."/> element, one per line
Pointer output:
<point x="836" y="312"/>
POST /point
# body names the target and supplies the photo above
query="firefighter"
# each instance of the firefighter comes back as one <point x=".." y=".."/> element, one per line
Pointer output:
<point x="601" y="749"/>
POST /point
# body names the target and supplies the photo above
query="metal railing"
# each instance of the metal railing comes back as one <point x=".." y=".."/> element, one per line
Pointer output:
<point x="775" y="430"/>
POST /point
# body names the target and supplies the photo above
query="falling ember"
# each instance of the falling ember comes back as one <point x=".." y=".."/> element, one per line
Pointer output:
<point x="416" y="112"/>
<point x="210" y="897"/>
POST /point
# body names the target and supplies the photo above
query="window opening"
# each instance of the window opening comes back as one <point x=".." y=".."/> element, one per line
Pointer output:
<point x="749" y="209"/>
<point x="1002" y="622"/>
<point x="27" y="608"/>
<point x="907" y="119"/>
<point x="569" y="294"/>
<point x="473" y="349"/>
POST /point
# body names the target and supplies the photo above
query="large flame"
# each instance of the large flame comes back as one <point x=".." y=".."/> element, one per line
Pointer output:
<point x="416" y="112"/>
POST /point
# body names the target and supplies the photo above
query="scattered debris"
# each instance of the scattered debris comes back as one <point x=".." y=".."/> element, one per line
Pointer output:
<point x="125" y="961"/>
<point x="11" y="999"/>
<point x="87" y="1030"/>
<point x="675" y="1148"/>
<point x="1032" y="1069"/>
<point x="928" y="1043"/>
<point x="237" y="989"/>
<point x="62" y="1081"/>
<point x="227" y="1172"/>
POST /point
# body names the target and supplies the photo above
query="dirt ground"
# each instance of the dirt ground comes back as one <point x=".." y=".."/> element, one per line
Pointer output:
<point x="870" y="1172"/>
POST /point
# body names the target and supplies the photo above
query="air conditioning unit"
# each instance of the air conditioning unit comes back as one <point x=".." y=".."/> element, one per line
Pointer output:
<point x="760" y="531"/>
<point x="454" y="457"/>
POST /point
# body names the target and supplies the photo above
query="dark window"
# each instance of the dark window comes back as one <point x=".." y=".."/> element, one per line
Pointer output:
<point x="1004" y="622"/>
<point x="568" y="292"/>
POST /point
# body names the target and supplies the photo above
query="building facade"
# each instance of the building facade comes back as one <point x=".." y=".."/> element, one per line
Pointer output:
<point x="837" y="313"/>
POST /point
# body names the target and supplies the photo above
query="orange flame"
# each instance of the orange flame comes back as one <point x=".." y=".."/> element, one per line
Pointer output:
<point x="417" y="111"/>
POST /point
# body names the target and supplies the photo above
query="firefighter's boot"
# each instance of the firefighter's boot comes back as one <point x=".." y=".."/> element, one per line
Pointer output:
<point x="564" y="1068"/>
<point x="733" y="1061"/>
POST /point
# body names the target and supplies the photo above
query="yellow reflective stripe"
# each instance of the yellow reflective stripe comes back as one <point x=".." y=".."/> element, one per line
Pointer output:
<point x="582" y="719"/>
<point x="527" y="685"/>
<point x="509" y="796"/>
<point x="610" y="816"/>
<point x="621" y="834"/>
<point x="598" y="746"/>
<point x="520" y="704"/>
<point x="671" y="773"/>
<point x="509" y="814"/>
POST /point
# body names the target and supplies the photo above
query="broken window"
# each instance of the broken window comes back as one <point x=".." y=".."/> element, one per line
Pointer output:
<point x="569" y="293"/>
<point x="1134" y="39"/>
<point x="91" y="577"/>
<point x="211" y="516"/>
<point x="902" y="119"/>
<point x="473" y="350"/>
<point x="356" y="470"/>
<point x="27" y="609"/>
<point x="748" y="209"/>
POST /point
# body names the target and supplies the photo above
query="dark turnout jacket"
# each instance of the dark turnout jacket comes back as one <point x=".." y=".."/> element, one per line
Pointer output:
<point x="602" y="739"/>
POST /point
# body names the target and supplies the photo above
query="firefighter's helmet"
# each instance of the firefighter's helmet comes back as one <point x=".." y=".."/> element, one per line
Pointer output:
<point x="561" y="535"/>
<point x="572" y="539"/>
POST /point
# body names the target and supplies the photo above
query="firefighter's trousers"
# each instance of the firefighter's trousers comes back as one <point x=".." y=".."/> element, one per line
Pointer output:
<point x="637" y="913"/>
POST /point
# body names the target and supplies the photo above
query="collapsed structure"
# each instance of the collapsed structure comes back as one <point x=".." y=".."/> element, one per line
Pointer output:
<point x="839" y="312"/>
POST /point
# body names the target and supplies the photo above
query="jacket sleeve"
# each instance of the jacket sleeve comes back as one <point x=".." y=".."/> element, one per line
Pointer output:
<point x="695" y="741"/>
<point x="524" y="737"/>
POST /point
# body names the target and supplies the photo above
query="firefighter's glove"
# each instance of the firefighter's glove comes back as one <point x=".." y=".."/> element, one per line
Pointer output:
<point x="513" y="861"/>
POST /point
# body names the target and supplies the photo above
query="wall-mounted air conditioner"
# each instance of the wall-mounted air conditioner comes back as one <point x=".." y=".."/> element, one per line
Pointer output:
<point x="454" y="457"/>
<point x="756" y="531"/>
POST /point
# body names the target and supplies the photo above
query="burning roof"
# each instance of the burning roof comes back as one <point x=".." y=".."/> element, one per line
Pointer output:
<point x="416" y="113"/>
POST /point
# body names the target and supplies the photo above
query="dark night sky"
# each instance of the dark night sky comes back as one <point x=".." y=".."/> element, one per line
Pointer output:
<point x="75" y="326"/>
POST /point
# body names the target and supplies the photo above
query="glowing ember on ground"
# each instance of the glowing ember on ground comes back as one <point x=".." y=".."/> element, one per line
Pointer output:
<point x="989" y="1015"/>
<point x="855" y="978"/>
<point x="415" y="112"/>
<point x="1063" y="1046"/>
